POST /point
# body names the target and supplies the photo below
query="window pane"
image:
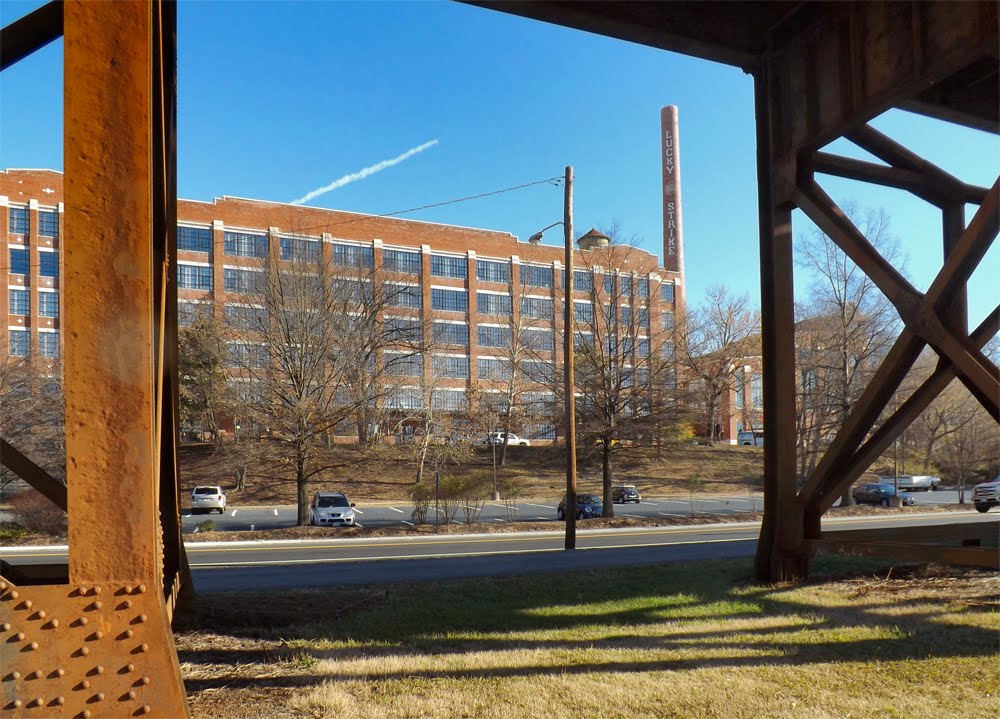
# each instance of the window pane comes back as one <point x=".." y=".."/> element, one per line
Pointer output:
<point x="402" y="295"/>
<point x="194" y="239"/>
<point x="18" y="224"/>
<point x="48" y="223"/>
<point x="194" y="277"/>
<point x="19" y="262"/>
<point x="241" y="281"/>
<point x="490" y="304"/>
<point x="667" y="292"/>
<point x="442" y="266"/>
<point x="293" y="248"/>
<point x="19" y="343"/>
<point x="534" y="276"/>
<point x="401" y="261"/>
<point x="18" y="302"/>
<point x="48" y="344"/>
<point x="48" y="304"/>
<point x="245" y="244"/>
<point x="448" y="333"/>
<point x="454" y="367"/>
<point x="353" y="255"/>
<point x="48" y="264"/>
<point x="492" y="271"/>
<point x="537" y="308"/>
<point x="450" y="300"/>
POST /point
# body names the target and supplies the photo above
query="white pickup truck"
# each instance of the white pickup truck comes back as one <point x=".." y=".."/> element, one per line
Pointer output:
<point x="986" y="495"/>
<point x="914" y="482"/>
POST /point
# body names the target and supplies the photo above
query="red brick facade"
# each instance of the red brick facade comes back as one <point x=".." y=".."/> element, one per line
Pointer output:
<point x="41" y="191"/>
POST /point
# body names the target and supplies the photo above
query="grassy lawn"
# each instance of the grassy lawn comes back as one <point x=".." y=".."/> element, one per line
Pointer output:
<point x="860" y="640"/>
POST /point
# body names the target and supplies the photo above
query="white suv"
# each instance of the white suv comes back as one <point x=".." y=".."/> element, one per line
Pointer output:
<point x="208" y="499"/>
<point x="512" y="440"/>
<point x="986" y="495"/>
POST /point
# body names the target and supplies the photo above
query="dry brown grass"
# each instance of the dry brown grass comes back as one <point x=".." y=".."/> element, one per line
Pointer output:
<point x="692" y="641"/>
<point x="387" y="473"/>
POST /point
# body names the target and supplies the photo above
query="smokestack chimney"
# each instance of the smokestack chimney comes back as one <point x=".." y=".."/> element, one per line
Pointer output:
<point x="673" y="227"/>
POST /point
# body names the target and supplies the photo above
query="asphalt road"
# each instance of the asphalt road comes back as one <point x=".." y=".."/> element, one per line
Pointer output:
<point x="387" y="514"/>
<point x="238" y="566"/>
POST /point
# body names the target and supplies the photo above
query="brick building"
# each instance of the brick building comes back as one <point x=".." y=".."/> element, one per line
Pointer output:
<point x="462" y="278"/>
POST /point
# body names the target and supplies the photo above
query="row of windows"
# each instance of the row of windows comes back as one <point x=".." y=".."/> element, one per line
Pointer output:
<point x="20" y="343"/>
<point x="19" y="222"/>
<point x="48" y="263"/>
<point x="492" y="271"/>
<point x="401" y="261"/>
<point x="489" y="304"/>
<point x="48" y="303"/>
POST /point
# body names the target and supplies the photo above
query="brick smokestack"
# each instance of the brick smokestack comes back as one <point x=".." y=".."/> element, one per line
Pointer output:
<point x="673" y="227"/>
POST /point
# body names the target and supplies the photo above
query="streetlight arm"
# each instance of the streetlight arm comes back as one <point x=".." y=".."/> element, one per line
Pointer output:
<point x="538" y="235"/>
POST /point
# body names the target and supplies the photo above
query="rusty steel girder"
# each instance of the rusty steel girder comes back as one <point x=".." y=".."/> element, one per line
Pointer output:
<point x="100" y="643"/>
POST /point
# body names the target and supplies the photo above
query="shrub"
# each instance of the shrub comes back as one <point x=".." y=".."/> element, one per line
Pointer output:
<point x="37" y="514"/>
<point x="421" y="494"/>
<point x="207" y="526"/>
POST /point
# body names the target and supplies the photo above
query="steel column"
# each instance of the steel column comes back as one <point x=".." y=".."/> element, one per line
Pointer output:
<point x="101" y="645"/>
<point x="781" y="555"/>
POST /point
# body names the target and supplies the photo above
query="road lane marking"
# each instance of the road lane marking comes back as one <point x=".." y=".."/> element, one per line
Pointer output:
<point x="359" y="525"/>
<point x="497" y="519"/>
<point x="543" y="506"/>
<point x="405" y="522"/>
<point x="651" y="504"/>
<point x="636" y="516"/>
<point x="276" y="513"/>
<point x="295" y="545"/>
<point x="397" y="510"/>
<point x="671" y="514"/>
<point x="234" y="513"/>
<point x="445" y="555"/>
<point x="501" y="506"/>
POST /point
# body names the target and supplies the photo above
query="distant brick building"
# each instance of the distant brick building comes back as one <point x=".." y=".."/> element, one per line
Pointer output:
<point x="461" y="277"/>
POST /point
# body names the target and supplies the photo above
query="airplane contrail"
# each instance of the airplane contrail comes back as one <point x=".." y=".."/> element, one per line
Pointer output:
<point x="362" y="174"/>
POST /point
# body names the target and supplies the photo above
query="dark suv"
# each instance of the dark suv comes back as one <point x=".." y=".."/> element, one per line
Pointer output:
<point x="624" y="494"/>
<point x="587" y="506"/>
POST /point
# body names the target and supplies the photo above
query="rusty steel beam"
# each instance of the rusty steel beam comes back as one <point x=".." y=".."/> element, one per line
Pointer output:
<point x="942" y="187"/>
<point x="916" y="310"/>
<point x="781" y="555"/>
<point x="987" y="557"/>
<point x="817" y="494"/>
<point x="849" y="470"/>
<point x="47" y="485"/>
<point x="860" y="59"/>
<point x="984" y="530"/>
<point x="31" y="33"/>
<point x="107" y="629"/>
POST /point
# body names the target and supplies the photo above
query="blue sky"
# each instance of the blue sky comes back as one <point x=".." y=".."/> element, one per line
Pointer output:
<point x="278" y="99"/>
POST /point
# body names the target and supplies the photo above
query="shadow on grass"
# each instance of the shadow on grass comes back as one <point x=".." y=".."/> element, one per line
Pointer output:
<point x="459" y="618"/>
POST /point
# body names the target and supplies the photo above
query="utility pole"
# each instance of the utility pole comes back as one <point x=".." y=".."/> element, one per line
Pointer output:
<point x="568" y="377"/>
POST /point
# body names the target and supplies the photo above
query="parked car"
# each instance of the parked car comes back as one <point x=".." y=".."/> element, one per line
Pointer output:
<point x="879" y="493"/>
<point x="331" y="509"/>
<point x="587" y="506"/>
<point x="750" y="439"/>
<point x="208" y="499"/>
<point x="986" y="495"/>
<point x="624" y="493"/>
<point x="913" y="482"/>
<point x="512" y="440"/>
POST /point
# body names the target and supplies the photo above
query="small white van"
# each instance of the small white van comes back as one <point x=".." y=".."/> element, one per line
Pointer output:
<point x="749" y="438"/>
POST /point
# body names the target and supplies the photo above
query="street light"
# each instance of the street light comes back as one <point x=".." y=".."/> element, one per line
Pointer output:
<point x="568" y="379"/>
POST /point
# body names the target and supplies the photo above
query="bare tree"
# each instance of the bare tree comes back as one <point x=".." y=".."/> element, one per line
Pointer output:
<point x="852" y="324"/>
<point x="32" y="413"/>
<point x="714" y="342"/>
<point x="970" y="446"/>
<point x="625" y="368"/>
<point x="203" y="388"/>
<point x="307" y="345"/>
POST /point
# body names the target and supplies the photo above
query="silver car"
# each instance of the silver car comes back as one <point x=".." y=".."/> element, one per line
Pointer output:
<point x="208" y="499"/>
<point x="331" y="509"/>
